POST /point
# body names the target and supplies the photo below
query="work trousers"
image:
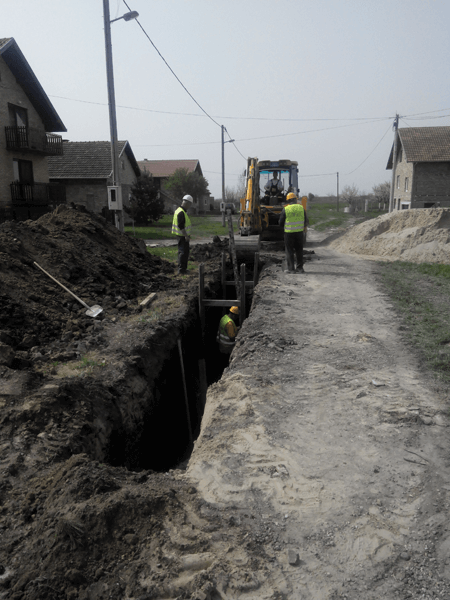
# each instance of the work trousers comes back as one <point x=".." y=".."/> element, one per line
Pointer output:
<point x="294" y="250"/>
<point x="183" y="254"/>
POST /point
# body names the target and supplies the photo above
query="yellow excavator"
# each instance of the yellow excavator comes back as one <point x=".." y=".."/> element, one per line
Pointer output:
<point x="261" y="207"/>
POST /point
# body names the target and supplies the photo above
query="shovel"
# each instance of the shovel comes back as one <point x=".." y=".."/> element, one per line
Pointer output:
<point x="92" y="311"/>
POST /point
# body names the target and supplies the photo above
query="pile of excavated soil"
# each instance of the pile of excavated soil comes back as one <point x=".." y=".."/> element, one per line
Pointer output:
<point x="87" y="255"/>
<point x="418" y="236"/>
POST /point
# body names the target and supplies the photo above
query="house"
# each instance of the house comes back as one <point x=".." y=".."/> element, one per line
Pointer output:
<point x="422" y="171"/>
<point x="161" y="170"/>
<point x="28" y="122"/>
<point x="85" y="169"/>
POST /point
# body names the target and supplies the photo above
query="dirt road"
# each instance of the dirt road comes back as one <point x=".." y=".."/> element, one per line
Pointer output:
<point x="328" y="442"/>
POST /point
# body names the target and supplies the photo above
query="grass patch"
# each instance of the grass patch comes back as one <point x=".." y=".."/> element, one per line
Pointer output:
<point x="420" y="294"/>
<point x="81" y="368"/>
<point x="324" y="216"/>
<point x="163" y="305"/>
<point x="202" y="226"/>
<point x="171" y="254"/>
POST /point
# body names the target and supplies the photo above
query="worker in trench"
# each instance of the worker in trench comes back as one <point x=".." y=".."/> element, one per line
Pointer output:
<point x="293" y="218"/>
<point x="227" y="332"/>
<point x="181" y="227"/>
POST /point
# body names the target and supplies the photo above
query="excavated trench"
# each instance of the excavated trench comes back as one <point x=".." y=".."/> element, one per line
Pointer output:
<point x="157" y="414"/>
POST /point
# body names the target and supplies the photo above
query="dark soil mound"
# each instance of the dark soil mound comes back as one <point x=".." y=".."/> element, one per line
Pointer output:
<point x="87" y="255"/>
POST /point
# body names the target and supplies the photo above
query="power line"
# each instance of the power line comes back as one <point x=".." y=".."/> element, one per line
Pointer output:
<point x="172" y="71"/>
<point x="184" y="114"/>
<point x="163" y="112"/>
<point x="369" y="155"/>
<point x="233" y="142"/>
<point x="267" y="137"/>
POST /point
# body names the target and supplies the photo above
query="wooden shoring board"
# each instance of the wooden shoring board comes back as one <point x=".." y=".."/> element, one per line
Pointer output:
<point x="233" y="253"/>
<point x="148" y="300"/>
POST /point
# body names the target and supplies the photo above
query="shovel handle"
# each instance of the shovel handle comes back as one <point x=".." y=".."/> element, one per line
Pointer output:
<point x="63" y="286"/>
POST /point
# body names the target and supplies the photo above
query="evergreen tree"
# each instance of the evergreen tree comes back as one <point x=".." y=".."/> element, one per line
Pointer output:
<point x="146" y="205"/>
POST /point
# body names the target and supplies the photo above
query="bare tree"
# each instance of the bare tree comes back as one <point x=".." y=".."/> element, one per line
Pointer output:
<point x="234" y="194"/>
<point x="382" y="193"/>
<point x="350" y="194"/>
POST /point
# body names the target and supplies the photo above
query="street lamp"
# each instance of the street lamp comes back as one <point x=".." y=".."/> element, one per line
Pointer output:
<point x="223" y="174"/>
<point x="114" y="191"/>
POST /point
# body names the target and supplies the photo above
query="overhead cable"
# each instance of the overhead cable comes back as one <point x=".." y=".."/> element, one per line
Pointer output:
<point x="172" y="71"/>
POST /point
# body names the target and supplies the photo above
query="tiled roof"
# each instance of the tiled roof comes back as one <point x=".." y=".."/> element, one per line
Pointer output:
<point x="166" y="168"/>
<point x="424" y="144"/>
<point x="19" y="67"/>
<point x="87" y="160"/>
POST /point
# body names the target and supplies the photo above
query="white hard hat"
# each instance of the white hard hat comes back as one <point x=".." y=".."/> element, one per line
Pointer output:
<point x="188" y="198"/>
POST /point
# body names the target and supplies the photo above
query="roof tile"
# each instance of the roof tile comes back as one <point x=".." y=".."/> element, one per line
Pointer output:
<point x="166" y="168"/>
<point x="84" y="160"/>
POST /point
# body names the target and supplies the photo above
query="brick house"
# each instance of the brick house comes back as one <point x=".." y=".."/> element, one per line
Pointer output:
<point x="422" y="174"/>
<point x="85" y="169"/>
<point x="27" y="119"/>
<point x="162" y="169"/>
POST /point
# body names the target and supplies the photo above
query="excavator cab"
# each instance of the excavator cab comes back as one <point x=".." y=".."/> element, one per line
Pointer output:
<point x="268" y="183"/>
<point x="261" y="207"/>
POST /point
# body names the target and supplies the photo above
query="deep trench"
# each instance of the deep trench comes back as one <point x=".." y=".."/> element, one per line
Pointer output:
<point x="162" y="440"/>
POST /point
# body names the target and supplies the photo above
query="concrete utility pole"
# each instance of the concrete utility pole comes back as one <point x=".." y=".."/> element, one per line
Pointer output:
<point x="112" y="108"/>
<point x="223" y="129"/>
<point x="337" y="192"/>
<point x="394" y="164"/>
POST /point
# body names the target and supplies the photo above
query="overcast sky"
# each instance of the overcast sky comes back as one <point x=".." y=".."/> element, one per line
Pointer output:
<point x="316" y="81"/>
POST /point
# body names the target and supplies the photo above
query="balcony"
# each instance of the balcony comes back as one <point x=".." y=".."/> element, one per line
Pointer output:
<point x="37" y="194"/>
<point x="33" y="140"/>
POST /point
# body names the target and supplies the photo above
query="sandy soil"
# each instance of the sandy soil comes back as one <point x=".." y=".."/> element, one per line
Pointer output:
<point x="326" y="436"/>
<point x="321" y="469"/>
<point x="409" y="235"/>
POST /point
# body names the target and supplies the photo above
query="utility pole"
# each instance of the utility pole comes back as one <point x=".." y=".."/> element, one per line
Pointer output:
<point x="114" y="191"/>
<point x="394" y="164"/>
<point x="112" y="108"/>
<point x="223" y="176"/>
<point x="223" y="129"/>
<point x="337" y="192"/>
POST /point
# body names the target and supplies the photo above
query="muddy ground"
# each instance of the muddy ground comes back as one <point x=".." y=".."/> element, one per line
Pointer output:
<point x="321" y="466"/>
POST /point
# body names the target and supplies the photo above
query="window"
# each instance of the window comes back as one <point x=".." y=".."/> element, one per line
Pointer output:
<point x="23" y="171"/>
<point x="18" y="116"/>
<point x="406" y="184"/>
<point x="398" y="182"/>
<point x="400" y="154"/>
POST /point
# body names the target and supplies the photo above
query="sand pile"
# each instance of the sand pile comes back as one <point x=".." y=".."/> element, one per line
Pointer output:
<point x="417" y="235"/>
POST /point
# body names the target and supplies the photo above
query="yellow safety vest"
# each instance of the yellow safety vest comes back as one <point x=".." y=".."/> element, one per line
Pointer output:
<point x="295" y="218"/>
<point x="225" y="344"/>
<point x="175" y="229"/>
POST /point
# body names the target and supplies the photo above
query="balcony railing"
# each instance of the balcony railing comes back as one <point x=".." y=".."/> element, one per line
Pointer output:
<point x="37" y="194"/>
<point x="33" y="140"/>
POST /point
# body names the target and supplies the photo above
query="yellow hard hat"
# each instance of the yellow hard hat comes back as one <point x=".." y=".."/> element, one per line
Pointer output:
<point x="291" y="196"/>
<point x="235" y="310"/>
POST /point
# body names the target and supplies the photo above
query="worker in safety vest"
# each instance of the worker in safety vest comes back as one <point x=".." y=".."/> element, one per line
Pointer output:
<point x="228" y="330"/>
<point x="181" y="227"/>
<point x="293" y="219"/>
